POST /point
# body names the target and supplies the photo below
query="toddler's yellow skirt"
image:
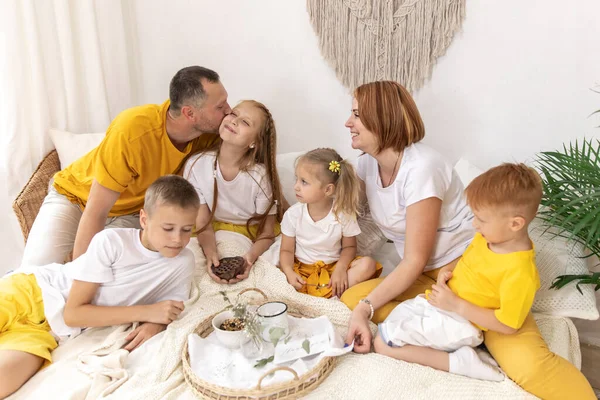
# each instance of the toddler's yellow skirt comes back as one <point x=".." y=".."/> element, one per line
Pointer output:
<point x="318" y="275"/>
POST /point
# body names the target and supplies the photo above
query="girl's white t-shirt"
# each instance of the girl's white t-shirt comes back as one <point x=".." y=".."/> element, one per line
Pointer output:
<point x="246" y="196"/>
<point x="129" y="274"/>
<point x="317" y="241"/>
<point x="423" y="174"/>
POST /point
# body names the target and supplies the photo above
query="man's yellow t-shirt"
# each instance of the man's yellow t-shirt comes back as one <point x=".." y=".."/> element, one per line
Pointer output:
<point x="505" y="283"/>
<point x="134" y="153"/>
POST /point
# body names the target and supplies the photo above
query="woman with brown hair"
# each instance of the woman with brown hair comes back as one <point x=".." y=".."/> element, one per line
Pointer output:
<point x="417" y="200"/>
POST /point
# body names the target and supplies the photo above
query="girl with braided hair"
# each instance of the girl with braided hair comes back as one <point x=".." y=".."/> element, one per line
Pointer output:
<point x="238" y="185"/>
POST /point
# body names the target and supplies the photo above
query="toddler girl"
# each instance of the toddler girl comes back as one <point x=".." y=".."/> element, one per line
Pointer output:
<point x="318" y="246"/>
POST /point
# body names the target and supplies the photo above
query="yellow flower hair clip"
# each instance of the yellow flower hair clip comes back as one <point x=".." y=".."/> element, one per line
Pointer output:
<point x="334" y="166"/>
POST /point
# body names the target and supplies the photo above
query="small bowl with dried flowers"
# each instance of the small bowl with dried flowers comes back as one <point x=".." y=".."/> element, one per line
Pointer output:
<point x="230" y="329"/>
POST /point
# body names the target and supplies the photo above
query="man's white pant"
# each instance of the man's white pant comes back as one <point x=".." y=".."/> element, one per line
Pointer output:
<point x="52" y="235"/>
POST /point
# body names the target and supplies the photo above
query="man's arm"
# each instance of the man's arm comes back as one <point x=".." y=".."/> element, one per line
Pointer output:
<point x="100" y="201"/>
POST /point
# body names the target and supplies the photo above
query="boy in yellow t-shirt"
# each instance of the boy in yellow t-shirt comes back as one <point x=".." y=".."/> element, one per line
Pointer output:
<point x="492" y="287"/>
<point x="105" y="188"/>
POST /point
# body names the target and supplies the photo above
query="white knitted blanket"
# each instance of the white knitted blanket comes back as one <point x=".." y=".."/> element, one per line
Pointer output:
<point x="356" y="376"/>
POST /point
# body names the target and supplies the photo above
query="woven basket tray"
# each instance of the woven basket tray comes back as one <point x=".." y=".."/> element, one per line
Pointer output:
<point x="298" y="387"/>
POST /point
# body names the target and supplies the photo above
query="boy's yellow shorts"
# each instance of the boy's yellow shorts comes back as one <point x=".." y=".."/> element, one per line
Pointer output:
<point x="23" y="325"/>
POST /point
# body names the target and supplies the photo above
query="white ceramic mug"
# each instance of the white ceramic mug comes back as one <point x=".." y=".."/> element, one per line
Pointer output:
<point x="273" y="315"/>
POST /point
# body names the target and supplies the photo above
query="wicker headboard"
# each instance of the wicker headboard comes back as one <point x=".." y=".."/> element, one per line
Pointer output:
<point x="28" y="202"/>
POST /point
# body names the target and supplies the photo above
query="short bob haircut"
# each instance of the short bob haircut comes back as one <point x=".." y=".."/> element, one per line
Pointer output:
<point x="387" y="110"/>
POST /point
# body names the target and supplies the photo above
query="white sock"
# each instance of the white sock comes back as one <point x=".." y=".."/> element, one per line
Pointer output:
<point x="486" y="357"/>
<point x="465" y="361"/>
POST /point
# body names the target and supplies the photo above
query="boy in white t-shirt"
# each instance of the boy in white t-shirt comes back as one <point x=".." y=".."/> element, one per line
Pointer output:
<point x="126" y="275"/>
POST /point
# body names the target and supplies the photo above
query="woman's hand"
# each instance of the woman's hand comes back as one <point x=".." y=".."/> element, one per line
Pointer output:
<point x="358" y="329"/>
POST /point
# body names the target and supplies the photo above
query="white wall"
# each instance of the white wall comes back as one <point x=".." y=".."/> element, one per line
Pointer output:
<point x="516" y="80"/>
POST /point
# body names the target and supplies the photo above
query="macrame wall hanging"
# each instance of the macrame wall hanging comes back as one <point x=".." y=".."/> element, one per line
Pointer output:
<point x="371" y="40"/>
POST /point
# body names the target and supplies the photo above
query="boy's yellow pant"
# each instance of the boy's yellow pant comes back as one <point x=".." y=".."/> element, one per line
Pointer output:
<point x="524" y="356"/>
<point x="23" y="325"/>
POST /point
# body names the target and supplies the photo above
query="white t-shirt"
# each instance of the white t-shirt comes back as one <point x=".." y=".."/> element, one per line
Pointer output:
<point x="246" y="196"/>
<point x="423" y="173"/>
<point x="129" y="274"/>
<point x="317" y="241"/>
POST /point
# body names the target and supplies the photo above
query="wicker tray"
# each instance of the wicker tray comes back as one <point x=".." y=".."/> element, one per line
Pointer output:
<point x="298" y="387"/>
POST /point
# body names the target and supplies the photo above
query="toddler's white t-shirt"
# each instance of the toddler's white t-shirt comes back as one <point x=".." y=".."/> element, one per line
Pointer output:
<point x="247" y="195"/>
<point x="317" y="241"/>
<point x="129" y="274"/>
<point x="423" y="174"/>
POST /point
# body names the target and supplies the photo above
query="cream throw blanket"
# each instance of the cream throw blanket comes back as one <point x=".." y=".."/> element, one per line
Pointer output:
<point x="158" y="373"/>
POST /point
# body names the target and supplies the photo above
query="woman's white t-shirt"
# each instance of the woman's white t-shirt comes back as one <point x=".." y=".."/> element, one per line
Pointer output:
<point x="246" y="196"/>
<point x="317" y="241"/>
<point x="128" y="273"/>
<point x="423" y="174"/>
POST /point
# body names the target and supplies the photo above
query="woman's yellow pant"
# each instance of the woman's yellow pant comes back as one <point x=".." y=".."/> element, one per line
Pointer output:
<point x="524" y="356"/>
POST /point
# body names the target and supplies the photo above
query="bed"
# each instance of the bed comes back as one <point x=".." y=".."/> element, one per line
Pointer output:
<point x="154" y="371"/>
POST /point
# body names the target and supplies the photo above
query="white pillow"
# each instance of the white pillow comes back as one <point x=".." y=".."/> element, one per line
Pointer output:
<point x="71" y="146"/>
<point x="286" y="169"/>
<point x="466" y="171"/>
<point x="558" y="256"/>
<point x="370" y="239"/>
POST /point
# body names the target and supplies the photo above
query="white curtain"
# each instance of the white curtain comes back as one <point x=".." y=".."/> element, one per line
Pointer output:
<point x="67" y="64"/>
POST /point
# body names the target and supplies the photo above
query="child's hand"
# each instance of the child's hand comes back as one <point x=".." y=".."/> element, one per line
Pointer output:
<point x="214" y="277"/>
<point x="442" y="297"/>
<point x="164" y="312"/>
<point x="142" y="333"/>
<point x="339" y="281"/>
<point x="444" y="276"/>
<point x="213" y="259"/>
<point x="250" y="260"/>
<point x="294" y="279"/>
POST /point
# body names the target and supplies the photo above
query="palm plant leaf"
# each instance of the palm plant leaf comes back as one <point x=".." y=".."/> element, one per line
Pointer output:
<point x="571" y="199"/>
